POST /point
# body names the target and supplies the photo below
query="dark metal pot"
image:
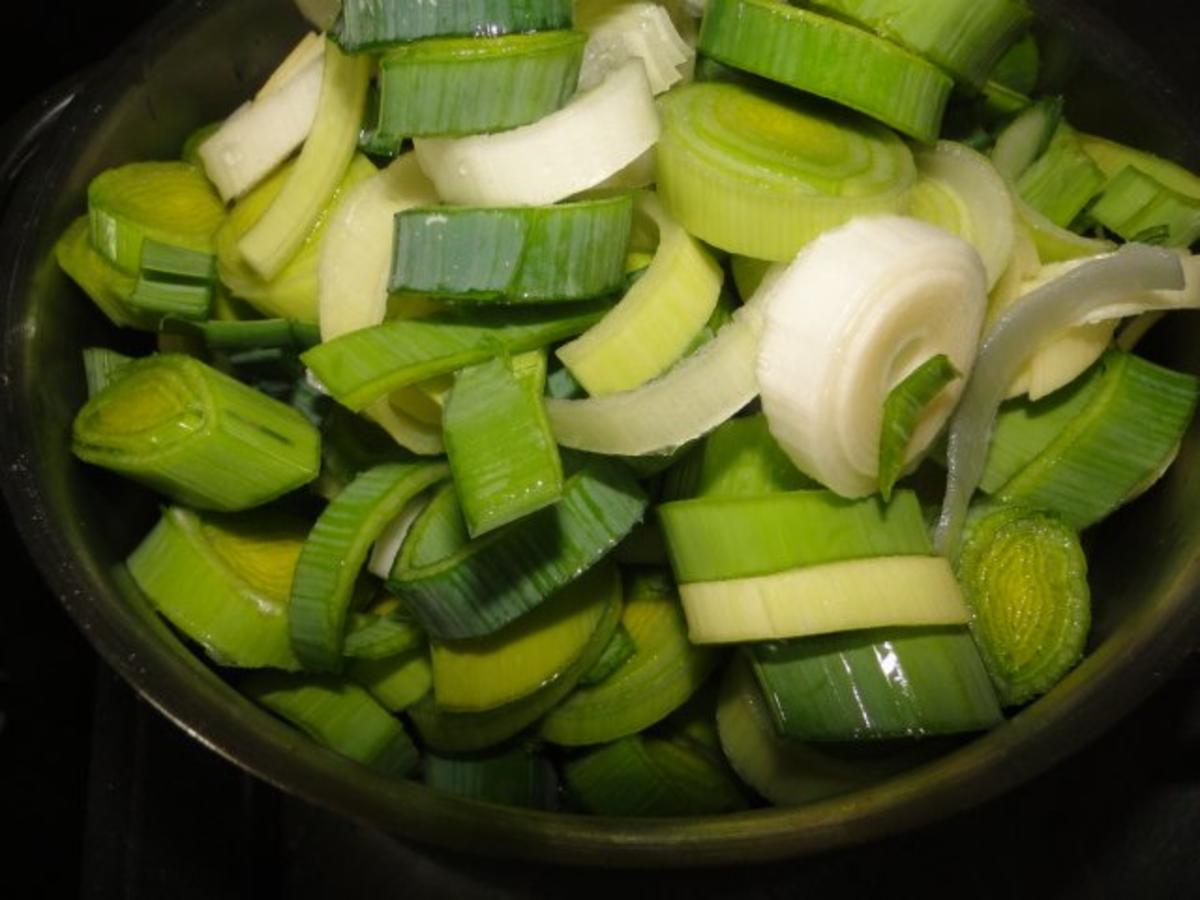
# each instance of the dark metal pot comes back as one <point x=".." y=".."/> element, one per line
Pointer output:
<point x="194" y="64"/>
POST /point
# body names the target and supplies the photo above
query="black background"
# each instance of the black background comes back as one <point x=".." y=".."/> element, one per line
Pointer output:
<point x="108" y="800"/>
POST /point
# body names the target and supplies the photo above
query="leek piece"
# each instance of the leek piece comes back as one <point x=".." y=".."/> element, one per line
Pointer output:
<point x="396" y="682"/>
<point x="762" y="177"/>
<point x="837" y="596"/>
<point x="1063" y="180"/>
<point x="190" y="153"/>
<point x="339" y="715"/>
<point x="572" y="251"/>
<point x="1114" y="158"/>
<point x="1026" y="138"/>
<point x="620" y="32"/>
<point x="620" y="650"/>
<point x="174" y="299"/>
<point x="589" y="140"/>
<point x="388" y="544"/>
<point x="527" y="655"/>
<point x="502" y="454"/>
<point x="462" y="589"/>
<point x="381" y="636"/>
<point x="786" y="772"/>
<point x="257" y="138"/>
<point x="224" y="582"/>
<point x="980" y="209"/>
<point x="850" y="319"/>
<point x="828" y="58"/>
<point x="1025" y="578"/>
<point x="877" y="685"/>
<point x="698" y="394"/>
<point x="902" y="411"/>
<point x="645" y="776"/>
<point x="464" y="85"/>
<point x="363" y="367"/>
<point x="738" y="459"/>
<point x="1126" y="433"/>
<point x="312" y="182"/>
<point x="663" y="673"/>
<point x="653" y="325"/>
<point x="292" y="294"/>
<point x="966" y="37"/>
<point x="253" y="334"/>
<point x="1017" y="69"/>
<point x="335" y="552"/>
<point x="101" y="367"/>
<point x="733" y="537"/>
<point x="1136" y="206"/>
<point x="451" y="732"/>
<point x="105" y="285"/>
<point x="310" y="48"/>
<point x="375" y="24"/>
<point x="1045" y="312"/>
<point x="197" y="435"/>
<point x="356" y="253"/>
<point x="1055" y="244"/>
<point x="516" y="778"/>
<point x="168" y="202"/>
<point x="748" y="274"/>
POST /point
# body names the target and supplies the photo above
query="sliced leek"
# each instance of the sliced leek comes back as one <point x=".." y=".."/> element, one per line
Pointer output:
<point x="396" y="682"/>
<point x="336" y="550"/>
<point x="224" y="582"/>
<point x="828" y="58"/>
<point x="762" y="176"/>
<point x="1063" y="180"/>
<point x="902" y="411"/>
<point x="283" y="228"/>
<point x="623" y="31"/>
<point x="1006" y="346"/>
<point x="837" y="596"/>
<point x="356" y="253"/>
<point x="570" y="251"/>
<point x="517" y="778"/>
<point x="849" y="320"/>
<point x="259" y="136"/>
<point x="375" y="24"/>
<point x="652" y="326"/>
<point x="1025" y="578"/>
<point x="105" y="285"/>
<point x="1135" y="205"/>
<point x="591" y="139"/>
<point x="101" y="367"/>
<point x="197" y="435"/>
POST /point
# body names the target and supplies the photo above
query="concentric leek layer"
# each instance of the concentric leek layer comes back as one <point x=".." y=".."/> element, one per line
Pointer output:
<point x="966" y="37"/>
<point x="830" y="59"/>
<point x="1025" y="578"/>
<point x="455" y="86"/>
<point x="372" y="24"/>
<point x="759" y="178"/>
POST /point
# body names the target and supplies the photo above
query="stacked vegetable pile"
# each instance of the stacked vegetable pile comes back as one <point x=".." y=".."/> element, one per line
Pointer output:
<point x="566" y="392"/>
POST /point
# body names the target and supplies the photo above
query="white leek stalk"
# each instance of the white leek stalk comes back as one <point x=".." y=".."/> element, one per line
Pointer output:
<point x="628" y="31"/>
<point x="860" y="309"/>
<point x="261" y="134"/>
<point x="591" y="139"/>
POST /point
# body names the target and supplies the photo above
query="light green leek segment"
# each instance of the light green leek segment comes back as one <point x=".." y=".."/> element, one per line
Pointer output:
<point x="339" y="715"/>
<point x="830" y="59"/>
<point x="1137" y="207"/>
<point x="1026" y="138"/>
<point x="662" y="674"/>
<point x="538" y="254"/>
<point x="374" y="24"/>
<point x="761" y="177"/>
<point x="224" y="582"/>
<point x="895" y="683"/>
<point x="396" y="682"/>
<point x="171" y="203"/>
<point x="1113" y="158"/>
<point x="786" y="772"/>
<point x="310" y="185"/>
<point x="619" y="651"/>
<point x="1017" y="69"/>
<point x="502" y="453"/>
<point x="1123" y="432"/>
<point x="101" y="367"/>
<point x="1063" y="180"/>
<point x="335" y="552"/>
<point x="105" y="285"/>
<point x="655" y="322"/>
<point x="902" y="412"/>
<point x="462" y="589"/>
<point x="515" y="778"/>
<point x="365" y="366"/>
<point x="840" y="596"/>
<point x="197" y="435"/>
<point x="451" y="732"/>
<point x="1025" y="578"/>
<point x="645" y="776"/>
<point x="529" y="654"/>
<point x="966" y="37"/>
<point x="720" y="538"/>
<point x="463" y="85"/>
